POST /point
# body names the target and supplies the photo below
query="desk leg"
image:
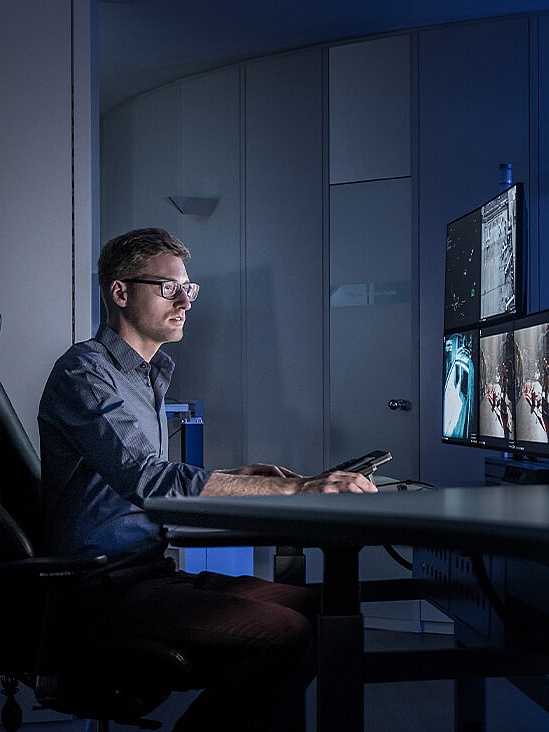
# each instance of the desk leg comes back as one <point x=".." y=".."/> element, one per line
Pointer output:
<point x="340" y="689"/>
<point x="289" y="568"/>
<point x="469" y="703"/>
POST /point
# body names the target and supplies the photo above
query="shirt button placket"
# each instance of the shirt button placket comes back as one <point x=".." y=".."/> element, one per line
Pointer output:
<point x="145" y="368"/>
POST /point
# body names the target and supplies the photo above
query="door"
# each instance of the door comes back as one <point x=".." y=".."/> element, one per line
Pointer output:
<point x="372" y="362"/>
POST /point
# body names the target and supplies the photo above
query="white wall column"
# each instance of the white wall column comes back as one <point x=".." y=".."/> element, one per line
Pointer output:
<point x="36" y="190"/>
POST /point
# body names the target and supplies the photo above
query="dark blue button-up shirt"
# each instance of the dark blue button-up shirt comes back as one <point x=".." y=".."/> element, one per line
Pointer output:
<point x="104" y="449"/>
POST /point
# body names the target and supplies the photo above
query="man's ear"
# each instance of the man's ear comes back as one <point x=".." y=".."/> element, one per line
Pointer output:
<point x="119" y="293"/>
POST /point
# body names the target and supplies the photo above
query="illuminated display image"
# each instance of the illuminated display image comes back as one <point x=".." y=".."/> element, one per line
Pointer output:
<point x="462" y="289"/>
<point x="532" y="383"/>
<point x="459" y="386"/>
<point x="496" y="386"/>
<point x="498" y="255"/>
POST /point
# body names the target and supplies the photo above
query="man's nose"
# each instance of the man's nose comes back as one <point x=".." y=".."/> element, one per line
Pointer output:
<point x="183" y="299"/>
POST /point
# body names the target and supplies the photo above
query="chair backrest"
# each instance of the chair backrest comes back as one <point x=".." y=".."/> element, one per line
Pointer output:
<point x="20" y="486"/>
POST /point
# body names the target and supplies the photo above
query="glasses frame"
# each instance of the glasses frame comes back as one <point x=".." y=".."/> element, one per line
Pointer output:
<point x="183" y="287"/>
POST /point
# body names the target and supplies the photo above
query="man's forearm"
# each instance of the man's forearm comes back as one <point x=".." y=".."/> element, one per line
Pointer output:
<point x="225" y="484"/>
<point x="242" y="483"/>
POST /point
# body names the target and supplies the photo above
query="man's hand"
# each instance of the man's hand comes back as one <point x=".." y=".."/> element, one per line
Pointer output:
<point x="336" y="482"/>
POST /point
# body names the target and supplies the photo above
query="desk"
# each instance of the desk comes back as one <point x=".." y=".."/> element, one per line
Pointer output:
<point x="507" y="520"/>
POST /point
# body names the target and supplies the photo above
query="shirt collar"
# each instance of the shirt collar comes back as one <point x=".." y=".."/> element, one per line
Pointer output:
<point x="126" y="356"/>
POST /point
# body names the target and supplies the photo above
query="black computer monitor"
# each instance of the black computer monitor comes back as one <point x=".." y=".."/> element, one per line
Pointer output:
<point x="496" y="411"/>
<point x="462" y="281"/>
<point x="532" y="384"/>
<point x="460" y="387"/>
<point x="484" y="255"/>
<point x="501" y="254"/>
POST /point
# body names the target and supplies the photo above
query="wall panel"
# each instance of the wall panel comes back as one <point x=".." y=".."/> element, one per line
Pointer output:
<point x="284" y="255"/>
<point x="473" y="115"/>
<point x="155" y="158"/>
<point x="35" y="197"/>
<point x="117" y="172"/>
<point x="209" y="359"/>
<point x="370" y="110"/>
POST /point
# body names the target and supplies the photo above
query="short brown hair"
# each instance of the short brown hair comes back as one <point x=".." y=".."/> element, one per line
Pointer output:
<point x="123" y="256"/>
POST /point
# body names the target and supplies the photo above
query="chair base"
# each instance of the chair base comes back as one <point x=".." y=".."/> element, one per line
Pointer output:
<point x="11" y="711"/>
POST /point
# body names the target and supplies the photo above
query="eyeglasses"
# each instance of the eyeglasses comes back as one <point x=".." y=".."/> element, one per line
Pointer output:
<point x="170" y="289"/>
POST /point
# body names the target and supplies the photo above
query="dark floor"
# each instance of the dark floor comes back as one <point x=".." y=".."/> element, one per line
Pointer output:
<point x="421" y="706"/>
<point x="427" y="706"/>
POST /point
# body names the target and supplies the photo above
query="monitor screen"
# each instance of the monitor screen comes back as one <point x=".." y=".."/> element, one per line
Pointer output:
<point x="462" y="285"/>
<point x="499" y="280"/>
<point x="459" y="402"/>
<point x="532" y="384"/>
<point x="496" y="412"/>
<point x="484" y="250"/>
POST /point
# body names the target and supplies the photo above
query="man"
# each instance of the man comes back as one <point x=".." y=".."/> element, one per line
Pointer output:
<point x="103" y="433"/>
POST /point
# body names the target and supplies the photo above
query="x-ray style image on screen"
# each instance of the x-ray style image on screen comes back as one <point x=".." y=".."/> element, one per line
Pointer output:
<point x="532" y="387"/>
<point x="499" y="255"/>
<point x="459" y="404"/>
<point x="462" y="285"/>
<point x="496" y="389"/>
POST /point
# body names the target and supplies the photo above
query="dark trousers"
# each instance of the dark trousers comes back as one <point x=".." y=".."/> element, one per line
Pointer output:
<point x="252" y="641"/>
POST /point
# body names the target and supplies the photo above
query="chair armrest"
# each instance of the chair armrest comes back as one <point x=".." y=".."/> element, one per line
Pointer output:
<point x="51" y="566"/>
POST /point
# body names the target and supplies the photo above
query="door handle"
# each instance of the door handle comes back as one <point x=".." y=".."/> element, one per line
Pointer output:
<point x="403" y="404"/>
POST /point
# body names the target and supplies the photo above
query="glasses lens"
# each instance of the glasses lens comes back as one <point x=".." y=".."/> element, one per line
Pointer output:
<point x="171" y="290"/>
<point x="192" y="291"/>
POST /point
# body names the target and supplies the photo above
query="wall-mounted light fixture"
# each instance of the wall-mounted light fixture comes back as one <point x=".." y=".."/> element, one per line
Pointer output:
<point x="193" y="205"/>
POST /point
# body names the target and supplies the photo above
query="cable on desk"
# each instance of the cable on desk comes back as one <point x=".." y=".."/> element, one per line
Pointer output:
<point x="534" y="631"/>
<point x="399" y="559"/>
<point x="175" y="432"/>
<point x="485" y="584"/>
<point x="403" y="484"/>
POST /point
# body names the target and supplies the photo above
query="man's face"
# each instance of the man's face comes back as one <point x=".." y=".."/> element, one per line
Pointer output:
<point x="151" y="319"/>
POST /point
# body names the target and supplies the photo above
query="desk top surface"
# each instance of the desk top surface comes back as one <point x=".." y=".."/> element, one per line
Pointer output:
<point x="497" y="519"/>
